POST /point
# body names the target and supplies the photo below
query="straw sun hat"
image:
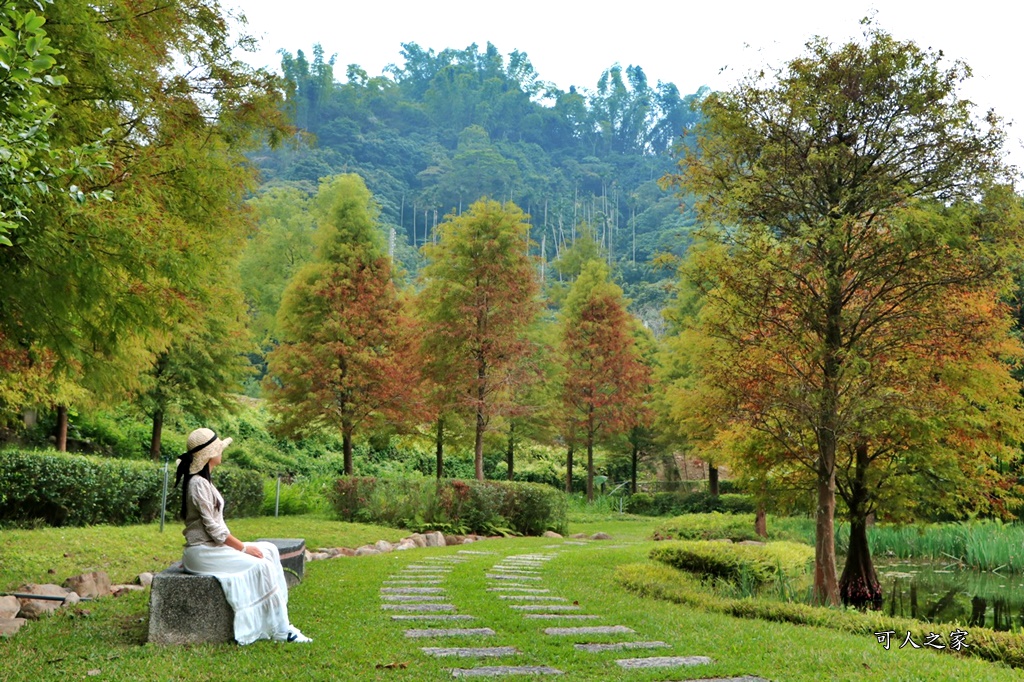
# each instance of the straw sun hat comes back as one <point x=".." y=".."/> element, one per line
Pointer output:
<point x="204" y="446"/>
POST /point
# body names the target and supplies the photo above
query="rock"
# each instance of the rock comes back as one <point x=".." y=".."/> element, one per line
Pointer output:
<point x="450" y="540"/>
<point x="9" y="626"/>
<point x="73" y="599"/>
<point x="551" y="534"/>
<point x="185" y="608"/>
<point x="308" y="555"/>
<point x="144" y="579"/>
<point x="600" y="536"/>
<point x="32" y="609"/>
<point x="367" y="550"/>
<point x="418" y="539"/>
<point x="383" y="546"/>
<point x="121" y="590"/>
<point x="9" y="607"/>
<point x="752" y="542"/>
<point x="435" y="539"/>
<point x="468" y="539"/>
<point x="331" y="552"/>
<point x="579" y="536"/>
<point x="345" y="551"/>
<point x="94" y="584"/>
<point x="405" y="544"/>
<point x="317" y="556"/>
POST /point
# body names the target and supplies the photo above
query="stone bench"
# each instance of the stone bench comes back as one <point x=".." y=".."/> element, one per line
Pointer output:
<point x="185" y="608"/>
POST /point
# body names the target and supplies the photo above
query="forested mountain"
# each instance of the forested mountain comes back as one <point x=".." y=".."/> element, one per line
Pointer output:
<point x="443" y="129"/>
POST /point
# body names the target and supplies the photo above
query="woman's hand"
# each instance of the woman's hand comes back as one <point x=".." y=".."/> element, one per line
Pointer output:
<point x="253" y="550"/>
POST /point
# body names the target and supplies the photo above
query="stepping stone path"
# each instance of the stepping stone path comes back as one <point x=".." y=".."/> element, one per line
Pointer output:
<point x="416" y="590"/>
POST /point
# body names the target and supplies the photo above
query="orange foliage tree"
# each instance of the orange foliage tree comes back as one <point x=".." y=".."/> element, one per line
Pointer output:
<point x="345" y="357"/>
<point x="479" y="298"/>
<point x="605" y="379"/>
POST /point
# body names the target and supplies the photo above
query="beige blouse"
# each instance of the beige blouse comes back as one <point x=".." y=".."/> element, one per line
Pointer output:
<point x="204" y="517"/>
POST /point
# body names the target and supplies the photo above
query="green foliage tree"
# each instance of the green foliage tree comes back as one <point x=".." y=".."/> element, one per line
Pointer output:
<point x="478" y="299"/>
<point x="824" y="276"/>
<point x="345" y="356"/>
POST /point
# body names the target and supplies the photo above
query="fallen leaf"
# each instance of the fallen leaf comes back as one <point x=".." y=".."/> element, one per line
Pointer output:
<point x="392" y="665"/>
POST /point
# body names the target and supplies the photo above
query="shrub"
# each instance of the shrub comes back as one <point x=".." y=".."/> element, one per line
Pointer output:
<point x="451" y="505"/>
<point x="664" y="504"/>
<point x="735" y="527"/>
<point x="760" y="563"/>
<point x="242" y="491"/>
<point x="303" y="495"/>
<point x="74" y="490"/>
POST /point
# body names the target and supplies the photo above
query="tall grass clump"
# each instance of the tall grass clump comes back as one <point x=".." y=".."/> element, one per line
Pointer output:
<point x="983" y="545"/>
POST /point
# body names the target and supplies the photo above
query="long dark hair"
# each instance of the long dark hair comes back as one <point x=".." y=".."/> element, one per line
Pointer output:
<point x="184" y="464"/>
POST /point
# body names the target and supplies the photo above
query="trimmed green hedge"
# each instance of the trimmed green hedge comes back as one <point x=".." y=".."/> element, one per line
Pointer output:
<point x="73" y="490"/>
<point x="672" y="504"/>
<point x="662" y="582"/>
<point x="761" y="563"/>
<point x="452" y="505"/>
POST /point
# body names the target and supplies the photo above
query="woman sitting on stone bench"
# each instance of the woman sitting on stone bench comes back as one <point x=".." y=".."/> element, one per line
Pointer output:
<point x="250" y="574"/>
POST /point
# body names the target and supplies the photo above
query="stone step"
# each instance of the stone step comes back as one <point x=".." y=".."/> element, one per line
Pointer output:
<point x="412" y="590"/>
<point x="531" y="597"/>
<point x="470" y="652"/>
<point x="418" y="607"/>
<point x="544" y="607"/>
<point x="433" y="616"/>
<point x="500" y="670"/>
<point x="618" y="646"/>
<point x="513" y="588"/>
<point x="595" y="630"/>
<point x="662" y="662"/>
<point x="507" y="576"/>
<point x="564" y="616"/>
<point x="449" y="632"/>
<point x="418" y="598"/>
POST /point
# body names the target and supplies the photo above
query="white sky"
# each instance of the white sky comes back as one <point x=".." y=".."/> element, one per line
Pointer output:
<point x="691" y="44"/>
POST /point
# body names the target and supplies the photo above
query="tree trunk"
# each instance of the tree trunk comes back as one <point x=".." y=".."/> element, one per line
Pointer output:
<point x="590" y="468"/>
<point x="154" y="441"/>
<point x="440" y="447"/>
<point x="826" y="583"/>
<point x="61" y="440"/>
<point x="346" y="445"/>
<point x="478" y="458"/>
<point x="511" y="452"/>
<point x="568" y="469"/>
<point x="635" y="458"/>
<point x="761" y="521"/>
<point x="859" y="586"/>
<point x="712" y="479"/>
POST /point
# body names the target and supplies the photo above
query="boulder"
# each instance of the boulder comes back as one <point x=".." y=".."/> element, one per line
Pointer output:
<point x="145" y="579"/>
<point x="404" y="544"/>
<point x="9" y="607"/>
<point x="9" y="626"/>
<point x="468" y="539"/>
<point x="345" y="551"/>
<point x="317" y="556"/>
<point x="450" y="540"/>
<point x="367" y="550"/>
<point x="600" y="536"/>
<point x="94" y="584"/>
<point x="579" y="536"/>
<point x="551" y="534"/>
<point x="435" y="539"/>
<point x="32" y="609"/>
<point x="418" y="539"/>
<point x="121" y="590"/>
<point x="73" y="598"/>
<point x="383" y="546"/>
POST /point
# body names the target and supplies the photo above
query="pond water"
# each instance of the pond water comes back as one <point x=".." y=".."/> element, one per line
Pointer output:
<point x="937" y="593"/>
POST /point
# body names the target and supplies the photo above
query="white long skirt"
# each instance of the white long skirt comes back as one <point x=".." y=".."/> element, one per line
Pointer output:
<point x="255" y="588"/>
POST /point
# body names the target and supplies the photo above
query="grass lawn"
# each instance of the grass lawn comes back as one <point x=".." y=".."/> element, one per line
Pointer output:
<point x="339" y="606"/>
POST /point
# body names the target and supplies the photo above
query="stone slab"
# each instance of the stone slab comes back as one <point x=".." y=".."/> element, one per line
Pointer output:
<point x="662" y="662"/>
<point x="564" y="616"/>
<point x="418" y="598"/>
<point x="470" y="652"/>
<point x="418" y="607"/>
<point x="744" y="678"/>
<point x="413" y="583"/>
<point x="10" y="626"/>
<point x="595" y="630"/>
<point x="189" y="609"/>
<point x="513" y="588"/>
<point x="412" y="590"/>
<point x="9" y="607"/>
<point x="618" y="646"/>
<point x="577" y="544"/>
<point x="509" y="576"/>
<point x="293" y="557"/>
<point x="501" y="670"/>
<point x="449" y="632"/>
<point x="470" y="551"/>
<point x="530" y="597"/>
<point x="433" y="616"/>
<point x="544" y="607"/>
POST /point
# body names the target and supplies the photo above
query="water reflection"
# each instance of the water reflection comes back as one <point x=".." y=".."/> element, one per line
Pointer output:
<point x="944" y="594"/>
